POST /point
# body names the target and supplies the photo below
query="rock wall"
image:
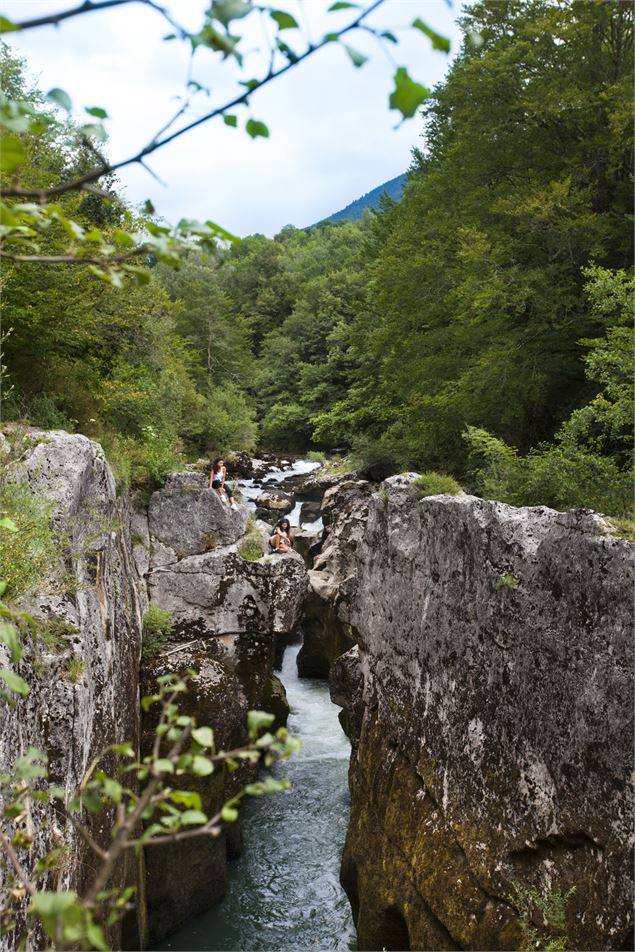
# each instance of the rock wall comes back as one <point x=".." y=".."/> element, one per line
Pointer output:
<point x="228" y="613"/>
<point x="491" y="708"/>
<point x="84" y="682"/>
<point x="184" y="554"/>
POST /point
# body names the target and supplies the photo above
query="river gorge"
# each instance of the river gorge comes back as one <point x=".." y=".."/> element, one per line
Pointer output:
<point x="481" y="658"/>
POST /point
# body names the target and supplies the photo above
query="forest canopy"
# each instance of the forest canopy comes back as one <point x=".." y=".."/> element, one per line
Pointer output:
<point x="478" y="327"/>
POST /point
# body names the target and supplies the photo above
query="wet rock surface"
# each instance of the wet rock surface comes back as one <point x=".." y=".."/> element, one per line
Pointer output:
<point x="496" y="738"/>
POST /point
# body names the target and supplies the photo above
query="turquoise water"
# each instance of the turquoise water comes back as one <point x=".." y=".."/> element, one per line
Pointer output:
<point x="284" y="891"/>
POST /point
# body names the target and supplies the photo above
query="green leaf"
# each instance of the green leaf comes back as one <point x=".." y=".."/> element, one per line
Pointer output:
<point x="124" y="239"/>
<point x="284" y="20"/>
<point x="254" y="128"/>
<point x="407" y="95"/>
<point x="6" y="523"/>
<point x="193" y="817"/>
<point x="387" y="35"/>
<point x="148" y="207"/>
<point x="97" y="112"/>
<point x="95" y="131"/>
<point x="358" y="58"/>
<point x="11" y="153"/>
<point x="229" y="814"/>
<point x="95" y="935"/>
<point x="189" y="798"/>
<point x="438" y="42"/>
<point x="61" y="98"/>
<point x="164" y="765"/>
<point x="258" y="721"/>
<point x="227" y="10"/>
<point x="230" y="120"/>
<point x="14" y="682"/>
<point x="204" y="736"/>
<point x="7" y="25"/>
<point x="286" y="50"/>
<point x="202" y="766"/>
<point x="50" y="904"/>
<point x="341" y="6"/>
<point x="9" y="636"/>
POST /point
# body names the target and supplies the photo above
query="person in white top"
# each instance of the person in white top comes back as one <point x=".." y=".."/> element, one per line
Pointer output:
<point x="217" y="478"/>
<point x="281" y="540"/>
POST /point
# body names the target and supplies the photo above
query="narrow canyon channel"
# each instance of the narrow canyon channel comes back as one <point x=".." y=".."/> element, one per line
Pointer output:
<point x="284" y="890"/>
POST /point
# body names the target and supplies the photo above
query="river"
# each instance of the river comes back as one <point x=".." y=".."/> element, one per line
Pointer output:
<point x="284" y="891"/>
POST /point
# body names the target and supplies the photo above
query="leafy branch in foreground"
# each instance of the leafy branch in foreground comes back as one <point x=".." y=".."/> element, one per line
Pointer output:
<point x="140" y="794"/>
<point x="23" y="223"/>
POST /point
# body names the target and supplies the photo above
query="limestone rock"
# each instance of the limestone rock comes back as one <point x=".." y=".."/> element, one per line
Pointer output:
<point x="346" y="686"/>
<point x="189" y="520"/>
<point x="276" y="500"/>
<point x="303" y="542"/>
<point x="220" y="592"/>
<point x="84" y="677"/>
<point x="184" y="879"/>
<point x="496" y="743"/>
<point x="325" y="636"/>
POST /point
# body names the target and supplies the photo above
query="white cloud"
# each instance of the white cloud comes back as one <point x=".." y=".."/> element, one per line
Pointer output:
<point x="332" y="135"/>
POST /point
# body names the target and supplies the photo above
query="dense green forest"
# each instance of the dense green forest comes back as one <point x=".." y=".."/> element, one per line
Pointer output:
<point x="478" y="327"/>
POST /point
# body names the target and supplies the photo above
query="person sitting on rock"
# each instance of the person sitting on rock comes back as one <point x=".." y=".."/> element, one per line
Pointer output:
<point x="217" y="477"/>
<point x="281" y="540"/>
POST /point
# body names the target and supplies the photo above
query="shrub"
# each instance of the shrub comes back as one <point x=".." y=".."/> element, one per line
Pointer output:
<point x="28" y="555"/>
<point x="542" y="917"/>
<point x="558" y="475"/>
<point x="75" y="669"/>
<point x="507" y="580"/>
<point x="436" y="484"/>
<point x="157" y="624"/>
<point x="623" y="529"/>
<point x="55" y="633"/>
<point x="252" y="549"/>
<point x="316" y="456"/>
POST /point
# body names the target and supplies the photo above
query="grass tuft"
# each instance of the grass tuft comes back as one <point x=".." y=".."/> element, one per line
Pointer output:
<point x="436" y="484"/>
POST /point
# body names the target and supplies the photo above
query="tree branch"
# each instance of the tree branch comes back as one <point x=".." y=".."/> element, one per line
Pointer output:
<point x="93" y="6"/>
<point x="158" y="143"/>
<point x="103" y="262"/>
<point x="15" y="862"/>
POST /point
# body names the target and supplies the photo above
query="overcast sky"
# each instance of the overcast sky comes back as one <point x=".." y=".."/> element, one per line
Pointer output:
<point x="333" y="137"/>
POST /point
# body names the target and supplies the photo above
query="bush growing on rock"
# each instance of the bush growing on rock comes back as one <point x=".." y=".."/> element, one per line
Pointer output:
<point x="436" y="484"/>
<point x="27" y="554"/>
<point x="157" y="624"/>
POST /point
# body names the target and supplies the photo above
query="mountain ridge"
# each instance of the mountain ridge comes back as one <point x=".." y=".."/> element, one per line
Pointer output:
<point x="354" y="210"/>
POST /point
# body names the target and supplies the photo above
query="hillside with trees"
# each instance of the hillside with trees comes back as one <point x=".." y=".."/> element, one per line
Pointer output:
<point x="478" y="327"/>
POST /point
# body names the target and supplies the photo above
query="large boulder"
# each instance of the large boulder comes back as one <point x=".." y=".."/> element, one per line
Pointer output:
<point x="188" y="520"/>
<point x="326" y="637"/>
<point x="496" y="741"/>
<point x="184" y="879"/>
<point x="221" y="592"/>
<point x="276" y="500"/>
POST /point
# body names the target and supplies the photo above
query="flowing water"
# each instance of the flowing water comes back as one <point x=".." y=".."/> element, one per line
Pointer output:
<point x="252" y="488"/>
<point x="284" y="891"/>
